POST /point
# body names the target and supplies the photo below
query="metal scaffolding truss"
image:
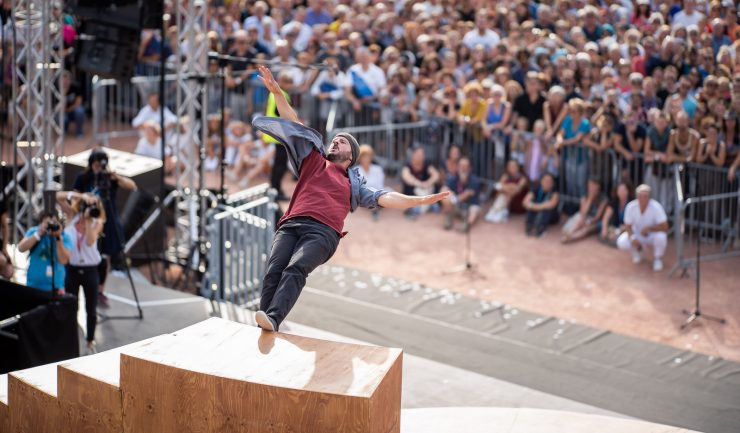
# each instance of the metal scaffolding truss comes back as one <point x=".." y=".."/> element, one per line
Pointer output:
<point x="37" y="107"/>
<point x="192" y="69"/>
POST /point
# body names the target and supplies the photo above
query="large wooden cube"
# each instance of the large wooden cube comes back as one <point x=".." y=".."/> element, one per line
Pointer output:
<point x="220" y="376"/>
<point x="32" y="400"/>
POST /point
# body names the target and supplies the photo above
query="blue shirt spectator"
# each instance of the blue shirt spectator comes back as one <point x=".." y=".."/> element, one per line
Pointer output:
<point x="40" y="248"/>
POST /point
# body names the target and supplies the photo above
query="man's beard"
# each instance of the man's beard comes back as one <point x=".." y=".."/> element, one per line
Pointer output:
<point x="338" y="157"/>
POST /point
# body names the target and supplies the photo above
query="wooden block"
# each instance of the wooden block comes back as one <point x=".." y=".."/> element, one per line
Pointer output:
<point x="32" y="400"/>
<point x="4" y="411"/>
<point x="221" y="376"/>
<point x="88" y="392"/>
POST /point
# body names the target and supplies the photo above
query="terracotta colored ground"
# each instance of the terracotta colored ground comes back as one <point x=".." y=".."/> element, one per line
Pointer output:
<point x="587" y="281"/>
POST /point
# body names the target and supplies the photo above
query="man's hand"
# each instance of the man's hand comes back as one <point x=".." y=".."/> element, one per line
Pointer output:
<point x="268" y="80"/>
<point x="731" y="174"/>
<point x="645" y="231"/>
<point x="434" y="198"/>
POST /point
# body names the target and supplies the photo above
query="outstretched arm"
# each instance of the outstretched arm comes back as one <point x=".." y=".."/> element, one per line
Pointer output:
<point x="394" y="200"/>
<point x="284" y="108"/>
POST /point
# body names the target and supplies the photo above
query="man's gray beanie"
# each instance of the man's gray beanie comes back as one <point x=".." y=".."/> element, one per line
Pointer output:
<point x="354" y="144"/>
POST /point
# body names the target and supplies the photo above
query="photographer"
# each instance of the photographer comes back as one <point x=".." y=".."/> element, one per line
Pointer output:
<point x="86" y="220"/>
<point x="101" y="181"/>
<point x="49" y="248"/>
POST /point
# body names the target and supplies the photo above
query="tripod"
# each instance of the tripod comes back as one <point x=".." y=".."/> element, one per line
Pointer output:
<point x="696" y="312"/>
<point x="468" y="268"/>
<point x="102" y="184"/>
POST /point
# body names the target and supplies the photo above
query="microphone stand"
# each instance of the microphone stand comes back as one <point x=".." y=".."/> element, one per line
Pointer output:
<point x="696" y="312"/>
<point x="468" y="267"/>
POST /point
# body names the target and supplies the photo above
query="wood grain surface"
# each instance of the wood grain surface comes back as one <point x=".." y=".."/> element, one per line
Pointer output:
<point x="32" y="400"/>
<point x="88" y="392"/>
<point x="221" y="376"/>
<point x="4" y="411"/>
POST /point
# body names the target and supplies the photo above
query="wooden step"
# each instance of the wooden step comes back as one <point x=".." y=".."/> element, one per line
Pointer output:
<point x="221" y="376"/>
<point x="4" y="411"/>
<point x="88" y="392"/>
<point x="32" y="400"/>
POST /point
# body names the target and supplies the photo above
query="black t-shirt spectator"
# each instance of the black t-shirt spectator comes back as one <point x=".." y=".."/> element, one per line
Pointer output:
<point x="533" y="111"/>
<point x="112" y="241"/>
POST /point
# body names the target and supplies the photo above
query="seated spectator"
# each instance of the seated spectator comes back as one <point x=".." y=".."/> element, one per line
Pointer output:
<point x="473" y="108"/>
<point x="646" y="225"/>
<point x="521" y="138"/>
<point x="86" y="216"/>
<point x="150" y="145"/>
<point x="46" y="243"/>
<point x="541" y="204"/>
<point x="711" y="150"/>
<point x="329" y="87"/>
<point x="586" y="221"/>
<point x="569" y="141"/>
<point x="612" y="223"/>
<point x="74" y="111"/>
<point x="213" y="142"/>
<point x="684" y="140"/>
<point x="511" y="189"/>
<point x="554" y="110"/>
<point x="453" y="158"/>
<point x="150" y="113"/>
<point x="498" y="113"/>
<point x="419" y="178"/>
<point x="535" y="156"/>
<point x="373" y="173"/>
<point x="238" y="140"/>
<point x="464" y="202"/>
<point x="253" y="160"/>
<point x="365" y="80"/>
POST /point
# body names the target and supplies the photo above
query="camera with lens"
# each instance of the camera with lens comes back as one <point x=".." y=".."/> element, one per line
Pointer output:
<point x="94" y="209"/>
<point x="53" y="227"/>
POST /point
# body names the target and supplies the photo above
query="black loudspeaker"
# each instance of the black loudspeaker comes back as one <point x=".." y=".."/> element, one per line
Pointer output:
<point x="121" y="13"/>
<point x="151" y="14"/>
<point x="108" y="51"/>
<point x="138" y="207"/>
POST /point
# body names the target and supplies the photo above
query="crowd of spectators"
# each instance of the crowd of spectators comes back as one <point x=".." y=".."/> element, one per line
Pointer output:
<point x="560" y="84"/>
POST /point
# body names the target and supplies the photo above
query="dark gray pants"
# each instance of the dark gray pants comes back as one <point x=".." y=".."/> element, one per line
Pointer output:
<point x="301" y="244"/>
<point x="87" y="277"/>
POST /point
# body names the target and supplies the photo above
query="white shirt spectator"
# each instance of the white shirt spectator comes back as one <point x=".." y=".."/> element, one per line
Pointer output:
<point x="489" y="39"/>
<point x="684" y="20"/>
<point x="254" y="21"/>
<point x="339" y="81"/>
<point x="152" y="150"/>
<point x="374" y="176"/>
<point x="374" y="77"/>
<point x="304" y="34"/>
<point x="147" y="114"/>
<point x="654" y="214"/>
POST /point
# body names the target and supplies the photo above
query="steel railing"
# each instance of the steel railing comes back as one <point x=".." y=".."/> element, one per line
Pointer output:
<point x="239" y="239"/>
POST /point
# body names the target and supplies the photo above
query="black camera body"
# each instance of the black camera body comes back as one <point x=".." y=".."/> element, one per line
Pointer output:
<point x="53" y="227"/>
<point x="94" y="209"/>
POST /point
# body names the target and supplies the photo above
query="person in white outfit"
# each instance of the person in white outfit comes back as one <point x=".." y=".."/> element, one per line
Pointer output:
<point x="646" y="225"/>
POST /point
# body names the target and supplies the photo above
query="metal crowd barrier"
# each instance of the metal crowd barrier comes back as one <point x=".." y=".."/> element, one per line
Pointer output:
<point x="712" y="219"/>
<point x="115" y="104"/>
<point x="239" y="238"/>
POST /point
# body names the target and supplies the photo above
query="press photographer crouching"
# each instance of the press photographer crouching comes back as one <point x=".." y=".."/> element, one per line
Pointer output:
<point x="99" y="180"/>
<point x="49" y="249"/>
<point x="86" y="218"/>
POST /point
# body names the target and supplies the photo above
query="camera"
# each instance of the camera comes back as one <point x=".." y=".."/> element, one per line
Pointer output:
<point x="94" y="209"/>
<point x="53" y="227"/>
